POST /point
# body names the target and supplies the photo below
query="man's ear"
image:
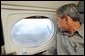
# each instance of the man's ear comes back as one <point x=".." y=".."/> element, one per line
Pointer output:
<point x="68" y="19"/>
<point x="65" y="20"/>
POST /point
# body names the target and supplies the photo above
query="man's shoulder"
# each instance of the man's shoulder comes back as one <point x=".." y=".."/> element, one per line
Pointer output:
<point x="59" y="34"/>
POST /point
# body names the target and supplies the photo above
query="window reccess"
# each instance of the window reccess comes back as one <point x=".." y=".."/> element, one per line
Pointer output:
<point x="32" y="32"/>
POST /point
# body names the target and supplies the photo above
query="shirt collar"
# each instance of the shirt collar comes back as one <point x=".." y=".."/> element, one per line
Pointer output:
<point x="81" y="30"/>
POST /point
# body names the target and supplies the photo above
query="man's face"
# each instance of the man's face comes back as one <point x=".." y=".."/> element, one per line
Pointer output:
<point x="67" y="24"/>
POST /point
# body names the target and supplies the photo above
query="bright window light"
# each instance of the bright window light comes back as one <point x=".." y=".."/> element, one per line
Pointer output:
<point x="32" y="32"/>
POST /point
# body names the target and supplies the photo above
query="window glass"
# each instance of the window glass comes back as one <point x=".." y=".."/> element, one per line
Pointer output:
<point x="32" y="32"/>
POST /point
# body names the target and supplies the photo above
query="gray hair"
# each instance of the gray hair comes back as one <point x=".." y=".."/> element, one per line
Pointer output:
<point x="70" y="10"/>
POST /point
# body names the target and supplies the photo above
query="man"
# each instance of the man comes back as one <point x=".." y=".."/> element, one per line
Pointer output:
<point x="70" y="39"/>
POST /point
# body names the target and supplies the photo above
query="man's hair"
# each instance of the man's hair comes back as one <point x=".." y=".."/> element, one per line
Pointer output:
<point x="69" y="10"/>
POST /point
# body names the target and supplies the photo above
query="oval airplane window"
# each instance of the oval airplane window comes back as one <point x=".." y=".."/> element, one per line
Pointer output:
<point x="32" y="32"/>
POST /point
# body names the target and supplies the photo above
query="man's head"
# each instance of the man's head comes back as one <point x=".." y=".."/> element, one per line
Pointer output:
<point x="68" y="18"/>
